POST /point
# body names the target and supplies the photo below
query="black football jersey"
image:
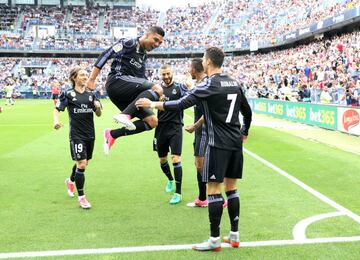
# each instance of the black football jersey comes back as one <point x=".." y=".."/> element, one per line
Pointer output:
<point x="81" y="109"/>
<point x="173" y="92"/>
<point x="222" y="100"/>
<point x="128" y="58"/>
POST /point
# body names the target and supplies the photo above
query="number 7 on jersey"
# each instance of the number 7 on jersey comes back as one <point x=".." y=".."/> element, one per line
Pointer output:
<point x="231" y="97"/>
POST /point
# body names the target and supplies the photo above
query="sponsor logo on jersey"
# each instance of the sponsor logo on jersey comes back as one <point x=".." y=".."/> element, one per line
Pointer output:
<point x="135" y="63"/>
<point x="83" y="110"/>
<point x="117" y="47"/>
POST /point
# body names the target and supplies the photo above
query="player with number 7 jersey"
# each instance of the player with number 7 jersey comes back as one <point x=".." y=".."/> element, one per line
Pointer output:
<point x="222" y="99"/>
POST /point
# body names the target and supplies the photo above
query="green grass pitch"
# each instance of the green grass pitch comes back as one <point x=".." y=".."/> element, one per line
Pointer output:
<point x="130" y="206"/>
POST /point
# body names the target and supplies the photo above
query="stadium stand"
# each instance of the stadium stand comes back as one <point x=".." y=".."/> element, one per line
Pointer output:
<point x="300" y="72"/>
<point x="230" y="24"/>
<point x="8" y="17"/>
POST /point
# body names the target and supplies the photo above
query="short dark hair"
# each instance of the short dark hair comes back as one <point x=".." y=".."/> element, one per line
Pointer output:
<point x="216" y="55"/>
<point x="197" y="65"/>
<point x="156" y="29"/>
<point x="165" y="67"/>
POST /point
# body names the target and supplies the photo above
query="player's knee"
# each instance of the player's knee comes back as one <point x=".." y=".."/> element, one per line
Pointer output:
<point x="230" y="184"/>
<point x="152" y="121"/>
<point x="199" y="168"/>
<point x="163" y="160"/>
<point x="158" y="89"/>
<point x="199" y="163"/>
<point x="214" y="188"/>
<point x="81" y="164"/>
<point x="175" y="159"/>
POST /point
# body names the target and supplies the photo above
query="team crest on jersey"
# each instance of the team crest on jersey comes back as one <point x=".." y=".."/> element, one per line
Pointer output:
<point x="90" y="98"/>
<point x="73" y="94"/>
<point x="174" y="92"/>
<point x="117" y="47"/>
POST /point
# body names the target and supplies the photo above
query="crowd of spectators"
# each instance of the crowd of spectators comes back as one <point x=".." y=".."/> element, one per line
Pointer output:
<point x="118" y="16"/>
<point x="226" y="23"/>
<point x="189" y="19"/>
<point x="82" y="20"/>
<point x="16" y="41"/>
<point x="325" y="71"/>
<point x="43" y="15"/>
<point x="35" y="75"/>
<point x="74" y="43"/>
<point x="8" y="17"/>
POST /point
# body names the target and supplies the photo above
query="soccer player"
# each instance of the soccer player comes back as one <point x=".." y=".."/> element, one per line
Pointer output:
<point x="200" y="140"/>
<point x="222" y="99"/>
<point x="81" y="104"/>
<point x="127" y="82"/>
<point x="55" y="91"/>
<point x="168" y="133"/>
<point x="9" y="90"/>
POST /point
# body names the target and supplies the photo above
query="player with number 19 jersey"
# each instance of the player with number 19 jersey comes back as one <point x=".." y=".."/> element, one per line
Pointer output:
<point x="81" y="109"/>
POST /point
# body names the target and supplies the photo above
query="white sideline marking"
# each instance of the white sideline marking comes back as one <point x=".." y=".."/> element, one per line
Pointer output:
<point x="295" y="242"/>
<point x="306" y="187"/>
<point x="173" y="247"/>
<point x="299" y="231"/>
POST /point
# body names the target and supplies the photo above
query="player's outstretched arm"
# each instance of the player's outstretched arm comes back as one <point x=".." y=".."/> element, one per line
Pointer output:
<point x="57" y="123"/>
<point x="90" y="84"/>
<point x="191" y="128"/>
<point x="180" y="104"/>
<point x="147" y="103"/>
<point x="98" y="108"/>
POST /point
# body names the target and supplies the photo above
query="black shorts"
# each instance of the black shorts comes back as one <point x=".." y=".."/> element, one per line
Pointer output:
<point x="220" y="163"/>
<point x="55" y="96"/>
<point x="168" y="135"/>
<point x="200" y="143"/>
<point x="81" y="149"/>
<point x="122" y="90"/>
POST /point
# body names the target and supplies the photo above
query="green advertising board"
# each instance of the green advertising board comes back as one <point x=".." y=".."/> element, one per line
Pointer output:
<point x="313" y="114"/>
